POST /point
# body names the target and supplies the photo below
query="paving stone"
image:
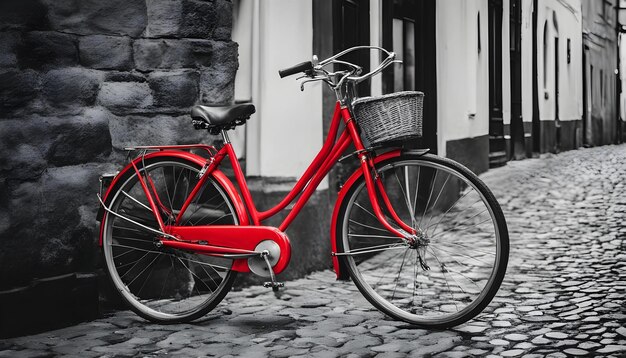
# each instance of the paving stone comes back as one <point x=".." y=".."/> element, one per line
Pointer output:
<point x="499" y="342"/>
<point x="562" y="296"/>
<point x="556" y="335"/>
<point x="612" y="348"/>
<point x="516" y="337"/>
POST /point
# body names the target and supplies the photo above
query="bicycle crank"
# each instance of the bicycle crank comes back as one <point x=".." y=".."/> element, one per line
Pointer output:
<point x="262" y="265"/>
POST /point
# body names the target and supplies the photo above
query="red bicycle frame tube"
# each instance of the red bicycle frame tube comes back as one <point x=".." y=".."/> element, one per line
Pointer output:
<point x="327" y="157"/>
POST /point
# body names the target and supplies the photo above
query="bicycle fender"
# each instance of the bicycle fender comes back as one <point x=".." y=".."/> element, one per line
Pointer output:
<point x="341" y="274"/>
<point x="218" y="175"/>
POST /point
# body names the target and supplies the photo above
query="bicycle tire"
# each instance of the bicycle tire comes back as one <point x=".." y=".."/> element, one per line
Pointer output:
<point x="359" y="231"/>
<point x="173" y="301"/>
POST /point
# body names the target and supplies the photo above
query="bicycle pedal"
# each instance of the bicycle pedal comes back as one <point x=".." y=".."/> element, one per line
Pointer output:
<point x="273" y="285"/>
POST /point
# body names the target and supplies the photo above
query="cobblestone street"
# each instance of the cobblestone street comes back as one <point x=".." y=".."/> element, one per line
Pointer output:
<point x="564" y="293"/>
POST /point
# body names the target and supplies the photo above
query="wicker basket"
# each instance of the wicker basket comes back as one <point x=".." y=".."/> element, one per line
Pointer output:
<point x="390" y="118"/>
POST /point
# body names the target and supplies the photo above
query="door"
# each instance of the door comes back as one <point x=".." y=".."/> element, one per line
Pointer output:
<point x="409" y="29"/>
<point x="557" y="121"/>
<point x="351" y="28"/>
<point x="497" y="144"/>
<point x="518" y="147"/>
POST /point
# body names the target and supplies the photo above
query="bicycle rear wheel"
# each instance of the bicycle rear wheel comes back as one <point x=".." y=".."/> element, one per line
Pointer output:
<point x="458" y="263"/>
<point x="162" y="284"/>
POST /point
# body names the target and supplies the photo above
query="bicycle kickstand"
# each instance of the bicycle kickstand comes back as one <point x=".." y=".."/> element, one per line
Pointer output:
<point x="275" y="285"/>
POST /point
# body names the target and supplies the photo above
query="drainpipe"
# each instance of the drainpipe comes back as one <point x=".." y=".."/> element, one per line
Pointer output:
<point x="618" y="82"/>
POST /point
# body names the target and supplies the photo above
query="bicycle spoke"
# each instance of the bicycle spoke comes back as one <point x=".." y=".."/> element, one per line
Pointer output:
<point x="377" y="236"/>
<point x="457" y="272"/>
<point x="470" y="248"/>
<point x="149" y="274"/>
<point x="405" y="196"/>
<point x="457" y="225"/>
<point x="367" y="211"/>
<point x="447" y="211"/>
<point x="367" y="226"/>
<point x="142" y="271"/>
<point x="368" y="251"/>
<point x="437" y="198"/>
<point x="137" y="201"/>
<point x="442" y="266"/>
<point x="167" y="191"/>
<point x="429" y="196"/>
<point x="463" y="255"/>
<point x="417" y="183"/>
<point x="398" y="276"/>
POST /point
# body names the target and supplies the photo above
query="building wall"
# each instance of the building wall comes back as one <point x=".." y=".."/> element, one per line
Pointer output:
<point x="462" y="76"/>
<point x="562" y="19"/>
<point x="601" y="48"/>
<point x="284" y="135"/>
<point x="79" y="81"/>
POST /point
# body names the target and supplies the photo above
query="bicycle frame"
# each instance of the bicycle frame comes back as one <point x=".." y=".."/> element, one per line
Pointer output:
<point x="239" y="242"/>
<point x="317" y="170"/>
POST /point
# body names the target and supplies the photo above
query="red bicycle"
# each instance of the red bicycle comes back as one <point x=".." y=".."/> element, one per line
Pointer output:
<point x="421" y="236"/>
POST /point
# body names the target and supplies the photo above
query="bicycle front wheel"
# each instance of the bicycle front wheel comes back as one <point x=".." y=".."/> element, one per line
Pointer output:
<point x="457" y="264"/>
<point x="162" y="284"/>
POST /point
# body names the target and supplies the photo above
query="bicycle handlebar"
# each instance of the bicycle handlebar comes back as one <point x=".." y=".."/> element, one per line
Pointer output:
<point x="315" y="70"/>
<point x="301" y="67"/>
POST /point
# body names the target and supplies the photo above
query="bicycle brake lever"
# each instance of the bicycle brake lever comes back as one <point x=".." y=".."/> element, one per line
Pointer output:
<point x="309" y="80"/>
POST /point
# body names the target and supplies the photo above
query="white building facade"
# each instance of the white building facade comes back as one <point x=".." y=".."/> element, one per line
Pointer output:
<point x="503" y="79"/>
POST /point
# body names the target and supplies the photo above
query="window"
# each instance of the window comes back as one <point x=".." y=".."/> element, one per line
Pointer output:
<point x="602" y="87"/>
<point x="403" y="32"/>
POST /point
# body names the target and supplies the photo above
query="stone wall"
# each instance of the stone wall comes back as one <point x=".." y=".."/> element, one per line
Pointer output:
<point x="79" y="81"/>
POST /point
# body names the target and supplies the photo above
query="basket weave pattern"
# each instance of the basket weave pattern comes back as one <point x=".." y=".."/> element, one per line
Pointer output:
<point x="392" y="117"/>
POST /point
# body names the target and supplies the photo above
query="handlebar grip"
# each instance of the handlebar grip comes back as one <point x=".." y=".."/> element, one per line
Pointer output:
<point x="301" y="67"/>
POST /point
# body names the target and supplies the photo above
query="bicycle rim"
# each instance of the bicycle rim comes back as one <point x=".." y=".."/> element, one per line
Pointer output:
<point x="456" y="267"/>
<point x="164" y="284"/>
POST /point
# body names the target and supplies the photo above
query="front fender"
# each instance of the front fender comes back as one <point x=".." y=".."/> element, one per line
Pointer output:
<point x="218" y="175"/>
<point x="341" y="272"/>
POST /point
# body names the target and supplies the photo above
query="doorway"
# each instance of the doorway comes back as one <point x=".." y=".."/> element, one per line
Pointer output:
<point x="518" y="146"/>
<point x="497" y="143"/>
<point x="557" y="121"/>
<point x="409" y="29"/>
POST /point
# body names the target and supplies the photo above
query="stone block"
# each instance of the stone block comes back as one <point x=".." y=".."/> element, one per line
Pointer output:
<point x="157" y="54"/>
<point x="27" y="147"/>
<point x="105" y="52"/>
<point x="23" y="162"/>
<point x="223" y="27"/>
<point x="121" y="96"/>
<point x="158" y="130"/>
<point x="53" y="227"/>
<point x="8" y="44"/>
<point x="91" y="17"/>
<point x="17" y="89"/>
<point x="199" y="19"/>
<point x="42" y="49"/>
<point x="174" y="88"/>
<point x="23" y="15"/>
<point x="216" y="88"/>
<point x="217" y="83"/>
<point x="189" y="18"/>
<point x="170" y="54"/>
<point x="71" y="86"/>
<point x="164" y="17"/>
<point x="71" y="136"/>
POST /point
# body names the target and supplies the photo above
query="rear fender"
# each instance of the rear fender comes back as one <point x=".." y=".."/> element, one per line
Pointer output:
<point x="345" y="189"/>
<point x="218" y="175"/>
